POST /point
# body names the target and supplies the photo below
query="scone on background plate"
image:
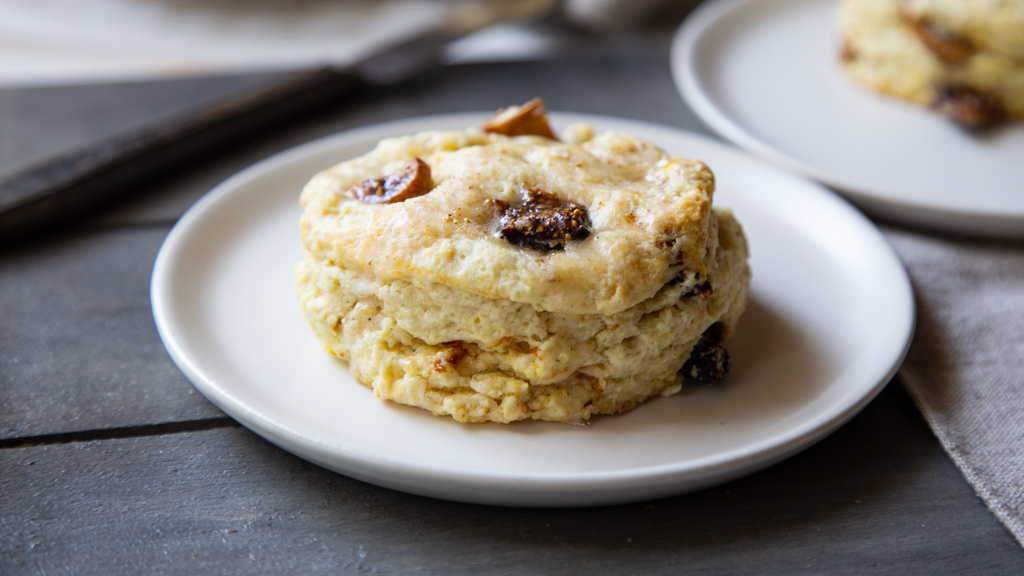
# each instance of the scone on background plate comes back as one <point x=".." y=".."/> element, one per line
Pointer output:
<point x="963" y="57"/>
<point x="497" y="277"/>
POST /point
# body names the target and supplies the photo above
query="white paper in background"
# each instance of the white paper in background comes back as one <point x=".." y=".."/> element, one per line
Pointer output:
<point x="46" y="42"/>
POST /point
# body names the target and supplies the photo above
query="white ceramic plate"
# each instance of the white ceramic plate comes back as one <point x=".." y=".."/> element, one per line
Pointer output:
<point x="765" y="74"/>
<point x="829" y="322"/>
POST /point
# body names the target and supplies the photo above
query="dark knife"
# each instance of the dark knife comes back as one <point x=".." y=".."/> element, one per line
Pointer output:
<point x="42" y="197"/>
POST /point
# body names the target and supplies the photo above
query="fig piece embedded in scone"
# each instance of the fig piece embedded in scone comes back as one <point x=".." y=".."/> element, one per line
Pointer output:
<point x="709" y="360"/>
<point x="705" y="291"/>
<point x="411" y="181"/>
<point x="970" y="108"/>
<point x="948" y="46"/>
<point x="543" y="222"/>
<point x="528" y="119"/>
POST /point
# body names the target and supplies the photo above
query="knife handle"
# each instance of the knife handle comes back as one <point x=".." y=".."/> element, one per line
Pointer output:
<point x="66" y="187"/>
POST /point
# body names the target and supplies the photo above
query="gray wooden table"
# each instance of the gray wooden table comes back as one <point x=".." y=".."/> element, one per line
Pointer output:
<point x="110" y="462"/>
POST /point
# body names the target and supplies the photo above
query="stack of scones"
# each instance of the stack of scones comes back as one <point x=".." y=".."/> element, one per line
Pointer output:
<point x="501" y="274"/>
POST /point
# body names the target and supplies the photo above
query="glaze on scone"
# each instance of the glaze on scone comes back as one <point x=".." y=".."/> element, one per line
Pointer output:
<point x="963" y="57"/>
<point x="431" y="307"/>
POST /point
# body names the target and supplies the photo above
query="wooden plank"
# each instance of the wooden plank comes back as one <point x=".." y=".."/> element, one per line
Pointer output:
<point x="78" y="347"/>
<point x="45" y="121"/>
<point x="58" y="191"/>
<point x="878" y="497"/>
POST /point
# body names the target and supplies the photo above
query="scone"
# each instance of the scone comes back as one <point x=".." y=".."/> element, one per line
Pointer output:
<point x="497" y="277"/>
<point x="963" y="57"/>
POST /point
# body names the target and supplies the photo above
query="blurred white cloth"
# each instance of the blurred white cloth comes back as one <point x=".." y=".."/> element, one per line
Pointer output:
<point x="84" y="41"/>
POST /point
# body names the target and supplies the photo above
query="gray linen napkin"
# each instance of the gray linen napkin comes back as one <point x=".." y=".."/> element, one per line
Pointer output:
<point x="965" y="368"/>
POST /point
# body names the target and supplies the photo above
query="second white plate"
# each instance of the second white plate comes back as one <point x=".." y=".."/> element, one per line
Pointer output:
<point x="830" y="319"/>
<point x="765" y="74"/>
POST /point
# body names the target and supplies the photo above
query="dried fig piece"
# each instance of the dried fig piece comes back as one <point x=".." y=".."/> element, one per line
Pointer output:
<point x="529" y="118"/>
<point x="704" y="291"/>
<point x="970" y="108"/>
<point x="847" y="53"/>
<point x="543" y="222"/>
<point x="709" y="360"/>
<point x="450" y="356"/>
<point x="950" y="47"/>
<point x="411" y="181"/>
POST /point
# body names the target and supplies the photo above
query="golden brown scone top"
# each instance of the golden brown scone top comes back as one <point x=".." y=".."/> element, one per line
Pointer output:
<point x="649" y="217"/>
